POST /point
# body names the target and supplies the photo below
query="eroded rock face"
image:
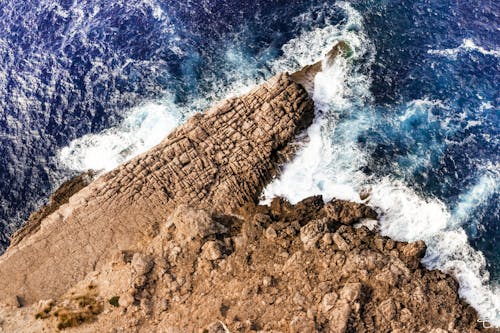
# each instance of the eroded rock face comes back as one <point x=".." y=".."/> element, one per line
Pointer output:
<point x="239" y="279"/>
<point x="60" y="197"/>
<point x="218" y="160"/>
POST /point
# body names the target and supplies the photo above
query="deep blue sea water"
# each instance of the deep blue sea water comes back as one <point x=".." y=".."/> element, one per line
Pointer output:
<point x="413" y="116"/>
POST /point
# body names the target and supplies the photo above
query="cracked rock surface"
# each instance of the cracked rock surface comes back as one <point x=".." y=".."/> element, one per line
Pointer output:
<point x="220" y="160"/>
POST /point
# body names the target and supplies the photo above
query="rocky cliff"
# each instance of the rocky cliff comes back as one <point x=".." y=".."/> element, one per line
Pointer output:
<point x="174" y="241"/>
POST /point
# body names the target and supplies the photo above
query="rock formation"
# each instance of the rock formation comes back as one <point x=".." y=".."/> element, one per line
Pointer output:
<point x="309" y="267"/>
<point x="174" y="241"/>
<point x="219" y="160"/>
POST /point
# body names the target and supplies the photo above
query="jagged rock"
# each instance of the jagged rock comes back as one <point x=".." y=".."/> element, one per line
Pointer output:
<point x="388" y="309"/>
<point x="301" y="324"/>
<point x="212" y="250"/>
<point x="339" y="317"/>
<point x="416" y="249"/>
<point x="328" y="302"/>
<point x="141" y="264"/>
<point x="312" y="232"/>
<point x="191" y="223"/>
<point x="347" y="212"/>
<point x="351" y="292"/>
<point x="126" y="300"/>
<point x="307" y="74"/>
<point x="260" y="285"/>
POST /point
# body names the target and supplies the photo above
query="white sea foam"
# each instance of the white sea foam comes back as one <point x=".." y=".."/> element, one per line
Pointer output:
<point x="475" y="197"/>
<point x="467" y="45"/>
<point x="142" y="128"/>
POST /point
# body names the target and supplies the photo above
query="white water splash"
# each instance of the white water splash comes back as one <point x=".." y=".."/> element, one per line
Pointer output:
<point x="475" y="197"/>
<point x="467" y="45"/>
<point x="141" y="129"/>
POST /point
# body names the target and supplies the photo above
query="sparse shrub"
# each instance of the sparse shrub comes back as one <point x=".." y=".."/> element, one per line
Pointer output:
<point x="114" y="301"/>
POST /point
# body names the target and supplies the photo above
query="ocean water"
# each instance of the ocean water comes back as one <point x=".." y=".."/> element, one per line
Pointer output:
<point x="411" y="116"/>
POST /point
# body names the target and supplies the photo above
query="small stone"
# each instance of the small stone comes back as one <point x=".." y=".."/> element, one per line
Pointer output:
<point x="351" y="292"/>
<point x="301" y="324"/>
<point x="126" y="300"/>
<point x="415" y="249"/>
<point x="267" y="281"/>
<point x="405" y="316"/>
<point x="328" y="301"/>
<point x="271" y="234"/>
<point x="339" y="317"/>
<point x="312" y="232"/>
<point x="212" y="250"/>
<point x="141" y="264"/>
<point x="184" y="158"/>
<point x="379" y="243"/>
<point x="328" y="239"/>
<point x="298" y="299"/>
<point x="341" y="242"/>
<point x="191" y="223"/>
<point x="388" y="309"/>
<point x="389" y="244"/>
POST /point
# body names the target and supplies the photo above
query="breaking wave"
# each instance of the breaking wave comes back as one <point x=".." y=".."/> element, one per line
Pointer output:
<point x="331" y="164"/>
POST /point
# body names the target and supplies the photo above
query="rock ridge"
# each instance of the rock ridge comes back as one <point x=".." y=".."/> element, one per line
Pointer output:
<point x="220" y="160"/>
<point x="309" y="267"/>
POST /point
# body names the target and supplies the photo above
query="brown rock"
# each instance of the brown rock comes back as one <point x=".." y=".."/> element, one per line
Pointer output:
<point x="60" y="197"/>
<point x="347" y="212"/>
<point x="123" y="209"/>
<point x="388" y="309"/>
<point x="261" y="286"/>
<point x="301" y="324"/>
<point x="416" y="249"/>
<point x="141" y="264"/>
<point x="212" y="250"/>
<point x="339" y="317"/>
<point x="222" y="259"/>
<point x="351" y="292"/>
<point x="328" y="302"/>
<point x="312" y="232"/>
<point x="191" y="223"/>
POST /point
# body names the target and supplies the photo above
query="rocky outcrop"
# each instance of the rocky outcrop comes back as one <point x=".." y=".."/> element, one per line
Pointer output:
<point x="220" y="160"/>
<point x="174" y="241"/>
<point x="278" y="268"/>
